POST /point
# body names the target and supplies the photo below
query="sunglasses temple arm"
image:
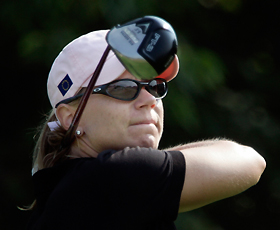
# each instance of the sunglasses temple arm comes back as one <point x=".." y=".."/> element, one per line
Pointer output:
<point x="69" y="137"/>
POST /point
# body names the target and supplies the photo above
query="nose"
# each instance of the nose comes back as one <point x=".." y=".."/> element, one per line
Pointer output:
<point x="145" y="99"/>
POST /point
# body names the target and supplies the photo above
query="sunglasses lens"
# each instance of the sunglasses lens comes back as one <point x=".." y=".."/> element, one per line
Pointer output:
<point x="127" y="89"/>
<point x="124" y="90"/>
<point x="158" y="88"/>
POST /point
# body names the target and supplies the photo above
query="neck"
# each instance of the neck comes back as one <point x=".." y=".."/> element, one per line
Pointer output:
<point x="81" y="149"/>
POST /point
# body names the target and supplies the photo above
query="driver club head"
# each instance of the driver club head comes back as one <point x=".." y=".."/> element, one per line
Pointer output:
<point x="145" y="46"/>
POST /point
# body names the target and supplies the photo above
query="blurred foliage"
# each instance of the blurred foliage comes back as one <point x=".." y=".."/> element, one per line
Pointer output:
<point x="227" y="87"/>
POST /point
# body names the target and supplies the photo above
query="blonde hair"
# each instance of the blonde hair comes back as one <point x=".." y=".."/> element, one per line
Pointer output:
<point x="49" y="150"/>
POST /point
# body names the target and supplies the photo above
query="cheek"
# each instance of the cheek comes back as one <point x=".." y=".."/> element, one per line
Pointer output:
<point x="105" y="124"/>
<point x="105" y="121"/>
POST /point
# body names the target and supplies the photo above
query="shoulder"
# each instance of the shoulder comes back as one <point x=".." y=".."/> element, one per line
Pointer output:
<point x="137" y="156"/>
<point x="113" y="160"/>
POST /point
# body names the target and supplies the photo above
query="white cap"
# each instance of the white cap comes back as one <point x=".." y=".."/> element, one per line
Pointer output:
<point x="75" y="64"/>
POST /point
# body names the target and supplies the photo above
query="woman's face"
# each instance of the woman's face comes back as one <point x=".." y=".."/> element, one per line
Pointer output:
<point x="109" y="123"/>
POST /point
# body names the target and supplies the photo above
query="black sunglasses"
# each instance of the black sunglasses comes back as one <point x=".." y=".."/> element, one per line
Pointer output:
<point x="126" y="90"/>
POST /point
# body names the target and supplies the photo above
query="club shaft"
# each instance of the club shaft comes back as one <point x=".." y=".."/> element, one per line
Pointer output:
<point x="69" y="137"/>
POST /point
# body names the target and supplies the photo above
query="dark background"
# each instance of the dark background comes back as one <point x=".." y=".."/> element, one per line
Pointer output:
<point x="227" y="87"/>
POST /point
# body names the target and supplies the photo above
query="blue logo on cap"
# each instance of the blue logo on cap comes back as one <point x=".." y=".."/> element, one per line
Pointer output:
<point x="65" y="85"/>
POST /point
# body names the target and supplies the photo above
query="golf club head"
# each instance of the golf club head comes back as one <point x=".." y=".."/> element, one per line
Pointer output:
<point x="145" y="46"/>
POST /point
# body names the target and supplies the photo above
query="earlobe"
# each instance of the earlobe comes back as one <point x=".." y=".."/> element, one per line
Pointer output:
<point x="79" y="132"/>
<point x="65" y="114"/>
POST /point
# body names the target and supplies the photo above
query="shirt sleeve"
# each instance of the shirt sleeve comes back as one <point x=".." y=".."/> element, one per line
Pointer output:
<point x="146" y="180"/>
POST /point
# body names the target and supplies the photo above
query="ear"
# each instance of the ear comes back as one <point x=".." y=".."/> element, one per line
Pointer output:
<point x="65" y="114"/>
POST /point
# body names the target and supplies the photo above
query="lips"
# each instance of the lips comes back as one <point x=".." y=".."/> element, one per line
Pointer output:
<point x="145" y="122"/>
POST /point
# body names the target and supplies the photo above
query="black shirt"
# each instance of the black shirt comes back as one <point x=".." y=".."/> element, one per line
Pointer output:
<point x="136" y="188"/>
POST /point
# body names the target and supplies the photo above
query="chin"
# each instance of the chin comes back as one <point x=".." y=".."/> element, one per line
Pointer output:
<point x="148" y="143"/>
